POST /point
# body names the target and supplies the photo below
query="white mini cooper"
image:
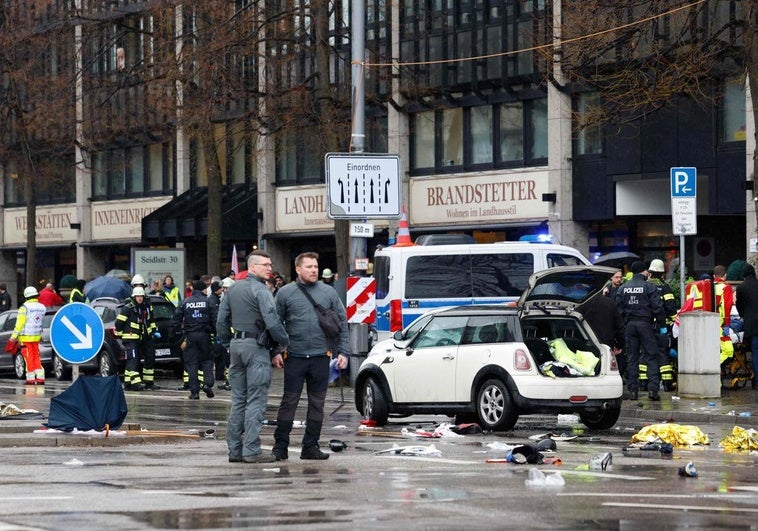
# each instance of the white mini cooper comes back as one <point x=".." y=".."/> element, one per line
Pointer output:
<point x="493" y="363"/>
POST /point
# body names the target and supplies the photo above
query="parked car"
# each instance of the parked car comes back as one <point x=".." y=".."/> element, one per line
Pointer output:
<point x="15" y="362"/>
<point x="493" y="363"/>
<point x="111" y="358"/>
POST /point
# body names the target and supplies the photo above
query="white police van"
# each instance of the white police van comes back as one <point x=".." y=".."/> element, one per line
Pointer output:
<point x="414" y="279"/>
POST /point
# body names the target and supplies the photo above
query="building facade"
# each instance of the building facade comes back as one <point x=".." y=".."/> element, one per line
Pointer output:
<point x="489" y="145"/>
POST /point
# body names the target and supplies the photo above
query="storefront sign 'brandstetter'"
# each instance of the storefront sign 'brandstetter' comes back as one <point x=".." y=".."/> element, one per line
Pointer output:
<point x="491" y="197"/>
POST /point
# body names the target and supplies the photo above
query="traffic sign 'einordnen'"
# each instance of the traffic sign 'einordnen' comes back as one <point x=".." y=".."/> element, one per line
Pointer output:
<point x="362" y="186"/>
<point x="77" y="333"/>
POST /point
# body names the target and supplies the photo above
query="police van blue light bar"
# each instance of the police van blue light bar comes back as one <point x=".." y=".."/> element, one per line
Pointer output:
<point x="536" y="238"/>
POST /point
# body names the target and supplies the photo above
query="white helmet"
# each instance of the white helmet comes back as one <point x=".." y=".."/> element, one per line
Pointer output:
<point x="138" y="291"/>
<point x="656" y="266"/>
<point x="30" y="292"/>
<point x="138" y="279"/>
<point x="227" y="283"/>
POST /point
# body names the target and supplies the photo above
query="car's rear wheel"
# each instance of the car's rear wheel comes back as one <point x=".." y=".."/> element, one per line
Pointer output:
<point x="19" y="367"/>
<point x="603" y="419"/>
<point x="60" y="370"/>
<point x="375" y="406"/>
<point x="495" y="407"/>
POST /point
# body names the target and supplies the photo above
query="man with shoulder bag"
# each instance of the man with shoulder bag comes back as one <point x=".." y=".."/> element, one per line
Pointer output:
<point x="316" y="323"/>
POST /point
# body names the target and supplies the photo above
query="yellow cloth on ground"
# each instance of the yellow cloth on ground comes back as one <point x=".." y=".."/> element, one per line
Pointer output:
<point x="582" y="361"/>
<point x="678" y="435"/>
<point x="740" y="439"/>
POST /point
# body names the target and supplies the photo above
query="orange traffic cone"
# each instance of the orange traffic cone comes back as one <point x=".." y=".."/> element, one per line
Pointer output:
<point x="403" y="233"/>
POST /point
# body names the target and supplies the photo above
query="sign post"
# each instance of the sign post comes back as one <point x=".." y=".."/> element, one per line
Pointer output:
<point x="683" y="210"/>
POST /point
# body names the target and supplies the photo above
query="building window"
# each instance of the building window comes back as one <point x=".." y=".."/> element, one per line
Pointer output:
<point x="589" y="138"/>
<point x="452" y="137"/>
<point x="137" y="171"/>
<point x="423" y="139"/>
<point x="734" y="111"/>
<point x="510" y="134"/>
<point x="299" y="157"/>
<point x="481" y="135"/>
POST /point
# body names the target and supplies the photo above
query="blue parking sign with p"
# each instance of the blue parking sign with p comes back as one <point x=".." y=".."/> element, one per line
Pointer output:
<point x="683" y="182"/>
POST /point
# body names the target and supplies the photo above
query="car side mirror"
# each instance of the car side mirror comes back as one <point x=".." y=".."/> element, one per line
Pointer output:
<point x="398" y="335"/>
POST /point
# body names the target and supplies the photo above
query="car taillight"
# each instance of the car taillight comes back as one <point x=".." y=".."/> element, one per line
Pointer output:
<point x="614" y="363"/>
<point x="521" y="360"/>
<point x="396" y="315"/>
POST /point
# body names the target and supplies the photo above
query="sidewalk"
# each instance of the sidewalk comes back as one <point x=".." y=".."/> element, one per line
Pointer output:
<point x="732" y="408"/>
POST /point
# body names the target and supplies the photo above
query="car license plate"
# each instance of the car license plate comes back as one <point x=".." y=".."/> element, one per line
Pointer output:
<point x="162" y="352"/>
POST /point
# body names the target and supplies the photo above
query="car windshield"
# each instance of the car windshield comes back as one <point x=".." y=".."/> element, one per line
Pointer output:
<point x="163" y="311"/>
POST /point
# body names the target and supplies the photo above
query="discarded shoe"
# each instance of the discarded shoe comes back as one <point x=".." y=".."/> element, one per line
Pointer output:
<point x="546" y="445"/>
<point x="209" y="392"/>
<point x="194" y="396"/>
<point x="688" y="470"/>
<point x="280" y="454"/>
<point x="313" y="452"/>
<point x="259" y="458"/>
<point x="335" y="445"/>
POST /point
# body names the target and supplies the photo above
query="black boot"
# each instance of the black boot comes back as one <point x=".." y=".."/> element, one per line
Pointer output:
<point x="310" y="441"/>
<point x="282" y="440"/>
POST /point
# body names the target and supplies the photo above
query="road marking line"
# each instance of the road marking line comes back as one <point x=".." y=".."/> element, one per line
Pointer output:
<point x="682" y="507"/>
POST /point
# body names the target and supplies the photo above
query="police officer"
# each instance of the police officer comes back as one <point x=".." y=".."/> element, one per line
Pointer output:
<point x="196" y="317"/>
<point x="643" y="312"/>
<point x="671" y="307"/>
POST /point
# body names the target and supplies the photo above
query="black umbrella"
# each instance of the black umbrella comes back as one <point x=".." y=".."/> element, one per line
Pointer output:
<point x="107" y="287"/>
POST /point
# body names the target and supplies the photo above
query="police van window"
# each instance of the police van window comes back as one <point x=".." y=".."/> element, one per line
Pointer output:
<point x="438" y="277"/>
<point x="501" y="275"/>
<point x="381" y="274"/>
<point x="557" y="259"/>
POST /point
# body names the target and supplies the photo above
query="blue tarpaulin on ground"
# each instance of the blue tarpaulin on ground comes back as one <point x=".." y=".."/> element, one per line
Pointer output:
<point x="90" y="403"/>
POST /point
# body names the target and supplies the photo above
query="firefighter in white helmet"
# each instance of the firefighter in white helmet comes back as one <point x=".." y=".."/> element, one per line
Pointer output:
<point x="136" y="328"/>
<point x="657" y="270"/>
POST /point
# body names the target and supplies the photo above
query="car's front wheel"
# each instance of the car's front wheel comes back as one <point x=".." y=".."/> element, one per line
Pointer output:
<point x="19" y="366"/>
<point x="603" y="419"/>
<point x="375" y="406"/>
<point x="60" y="370"/>
<point x="495" y="407"/>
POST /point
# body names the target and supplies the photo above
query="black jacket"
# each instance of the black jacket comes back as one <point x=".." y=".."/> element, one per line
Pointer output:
<point x="195" y="314"/>
<point x="639" y="300"/>
<point x="747" y="305"/>
<point x="604" y="318"/>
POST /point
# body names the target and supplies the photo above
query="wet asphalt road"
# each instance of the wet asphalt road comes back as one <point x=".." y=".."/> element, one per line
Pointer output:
<point x="188" y="483"/>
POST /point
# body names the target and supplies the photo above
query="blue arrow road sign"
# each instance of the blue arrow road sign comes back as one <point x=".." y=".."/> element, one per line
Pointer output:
<point x="683" y="182"/>
<point x="77" y="333"/>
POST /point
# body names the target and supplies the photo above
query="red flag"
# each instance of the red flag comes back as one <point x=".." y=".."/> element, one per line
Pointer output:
<point x="235" y="264"/>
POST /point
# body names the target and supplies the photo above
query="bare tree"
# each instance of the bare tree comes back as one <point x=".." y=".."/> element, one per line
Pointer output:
<point x="36" y="104"/>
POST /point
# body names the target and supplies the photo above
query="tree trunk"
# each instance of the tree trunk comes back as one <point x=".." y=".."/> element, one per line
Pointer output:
<point x="213" y="167"/>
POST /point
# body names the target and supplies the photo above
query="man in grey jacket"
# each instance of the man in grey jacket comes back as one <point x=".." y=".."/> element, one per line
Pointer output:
<point x="306" y="361"/>
<point x="245" y="311"/>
